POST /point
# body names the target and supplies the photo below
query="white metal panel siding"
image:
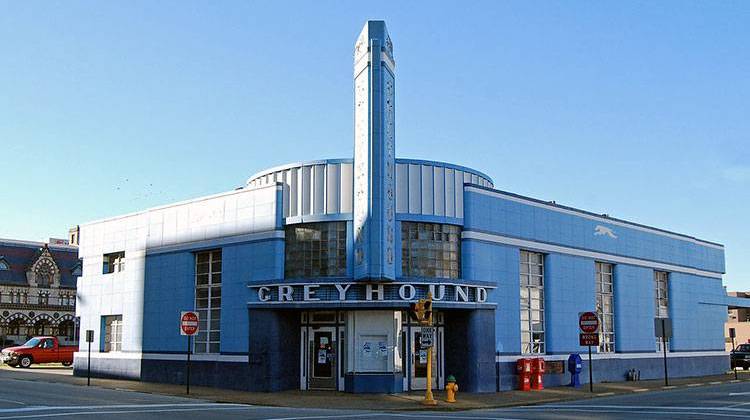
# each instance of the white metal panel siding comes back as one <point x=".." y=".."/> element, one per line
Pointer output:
<point x="306" y="186"/>
<point x="402" y="188"/>
<point x="347" y="187"/>
<point x="415" y="198"/>
<point x="319" y="189"/>
<point x="293" y="192"/>
<point x="427" y="193"/>
<point x="439" y="190"/>
<point x="450" y="193"/>
<point x="333" y="196"/>
<point x="459" y="182"/>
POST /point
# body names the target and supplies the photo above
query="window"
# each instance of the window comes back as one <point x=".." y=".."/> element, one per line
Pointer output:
<point x="315" y="250"/>
<point x="77" y="270"/>
<point x="532" y="303"/>
<point x="605" y="307"/>
<point x="43" y="298"/>
<point x="112" y="333"/>
<point x="113" y="262"/>
<point x="208" y="300"/>
<point x="661" y="303"/>
<point x="430" y="250"/>
<point x="4" y="264"/>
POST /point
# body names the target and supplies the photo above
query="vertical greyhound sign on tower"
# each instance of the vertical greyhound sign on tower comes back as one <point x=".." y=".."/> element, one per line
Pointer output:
<point x="374" y="154"/>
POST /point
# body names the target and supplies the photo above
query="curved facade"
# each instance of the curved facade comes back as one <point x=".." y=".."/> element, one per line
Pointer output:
<point x="326" y="188"/>
<point x="303" y="279"/>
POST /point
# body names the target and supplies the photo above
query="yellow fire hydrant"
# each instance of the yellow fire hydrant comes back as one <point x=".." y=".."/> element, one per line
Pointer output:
<point x="451" y="389"/>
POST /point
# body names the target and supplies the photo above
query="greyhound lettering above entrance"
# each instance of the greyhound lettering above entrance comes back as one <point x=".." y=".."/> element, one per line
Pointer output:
<point x="369" y="292"/>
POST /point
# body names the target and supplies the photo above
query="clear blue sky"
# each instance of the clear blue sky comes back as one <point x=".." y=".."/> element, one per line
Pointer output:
<point x="636" y="109"/>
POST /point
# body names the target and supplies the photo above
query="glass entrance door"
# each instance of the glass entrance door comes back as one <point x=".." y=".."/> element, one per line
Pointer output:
<point x="323" y="358"/>
<point x="419" y="361"/>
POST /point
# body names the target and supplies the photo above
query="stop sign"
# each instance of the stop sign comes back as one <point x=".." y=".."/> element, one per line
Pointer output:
<point x="588" y="322"/>
<point x="188" y="323"/>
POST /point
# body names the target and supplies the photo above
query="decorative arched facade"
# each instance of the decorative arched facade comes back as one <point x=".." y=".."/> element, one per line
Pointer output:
<point x="37" y="291"/>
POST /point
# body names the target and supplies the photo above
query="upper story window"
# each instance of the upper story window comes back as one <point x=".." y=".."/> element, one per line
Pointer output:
<point x="532" y="302"/>
<point x="4" y="264"/>
<point x="605" y="307"/>
<point x="208" y="301"/>
<point x="661" y="300"/>
<point x="315" y="250"/>
<point x="113" y="262"/>
<point x="430" y="250"/>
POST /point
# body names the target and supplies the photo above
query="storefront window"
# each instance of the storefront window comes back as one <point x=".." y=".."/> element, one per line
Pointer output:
<point x="315" y="250"/>
<point x="430" y="250"/>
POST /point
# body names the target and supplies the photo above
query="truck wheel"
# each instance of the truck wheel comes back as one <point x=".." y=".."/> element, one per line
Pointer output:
<point x="67" y="363"/>
<point x="25" y="361"/>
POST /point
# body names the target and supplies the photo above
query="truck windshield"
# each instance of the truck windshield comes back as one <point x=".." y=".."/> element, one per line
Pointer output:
<point x="32" y="343"/>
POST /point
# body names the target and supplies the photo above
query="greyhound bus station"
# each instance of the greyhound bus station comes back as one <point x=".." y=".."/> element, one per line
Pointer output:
<point x="304" y="277"/>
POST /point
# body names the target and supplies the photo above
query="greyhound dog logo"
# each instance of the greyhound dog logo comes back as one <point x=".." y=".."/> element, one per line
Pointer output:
<point x="600" y="230"/>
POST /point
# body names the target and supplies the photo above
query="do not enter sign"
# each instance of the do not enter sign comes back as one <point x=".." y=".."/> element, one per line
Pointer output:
<point x="588" y="322"/>
<point x="188" y="323"/>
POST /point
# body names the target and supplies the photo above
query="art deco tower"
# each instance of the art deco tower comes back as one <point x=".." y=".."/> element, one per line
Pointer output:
<point x="374" y="148"/>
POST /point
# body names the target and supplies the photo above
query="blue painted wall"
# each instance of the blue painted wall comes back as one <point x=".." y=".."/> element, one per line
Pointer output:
<point x="170" y="288"/>
<point x="510" y="218"/>
<point x="569" y="289"/>
<point x="635" y="309"/>
<point x="498" y="264"/>
<point x="696" y="325"/>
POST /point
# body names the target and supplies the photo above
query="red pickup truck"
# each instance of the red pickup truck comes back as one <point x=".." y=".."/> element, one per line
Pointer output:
<point x="45" y="349"/>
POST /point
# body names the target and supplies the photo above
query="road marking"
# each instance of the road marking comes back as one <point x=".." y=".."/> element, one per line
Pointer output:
<point x="715" y="383"/>
<point x="89" y="413"/>
<point x="732" y="394"/>
<point x="114" y="406"/>
<point x="669" y="387"/>
<point x="341" y="416"/>
<point x="606" y="394"/>
<point x="632" y="407"/>
<point x="13" y="401"/>
<point x="695" y="384"/>
<point x="658" y="411"/>
<point x="640" y="390"/>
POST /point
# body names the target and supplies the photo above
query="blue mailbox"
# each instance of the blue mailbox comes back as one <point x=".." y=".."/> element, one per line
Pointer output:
<point x="575" y="365"/>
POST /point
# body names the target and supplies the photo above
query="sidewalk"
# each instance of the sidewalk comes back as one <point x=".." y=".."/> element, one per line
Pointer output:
<point x="382" y="402"/>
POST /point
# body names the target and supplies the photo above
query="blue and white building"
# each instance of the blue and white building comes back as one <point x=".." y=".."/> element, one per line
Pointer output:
<point x="302" y="278"/>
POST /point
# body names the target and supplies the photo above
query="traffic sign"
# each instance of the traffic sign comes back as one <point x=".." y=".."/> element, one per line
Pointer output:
<point x="588" y="322"/>
<point x="589" y="339"/>
<point x="663" y="327"/>
<point x="427" y="337"/>
<point x="188" y="323"/>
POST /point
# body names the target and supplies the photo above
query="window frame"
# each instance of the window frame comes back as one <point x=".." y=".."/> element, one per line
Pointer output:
<point x="208" y="268"/>
<point x="661" y="294"/>
<point x="531" y="288"/>
<point x="430" y="250"/>
<point x="313" y="250"/>
<point x="113" y="262"/>
<point x="605" y="290"/>
<point x="112" y="336"/>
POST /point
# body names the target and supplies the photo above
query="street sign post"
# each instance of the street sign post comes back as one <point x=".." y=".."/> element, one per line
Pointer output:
<point x="427" y="339"/>
<point x="588" y="323"/>
<point x="188" y="327"/>
<point x="732" y="334"/>
<point x="89" y="339"/>
<point x="663" y="330"/>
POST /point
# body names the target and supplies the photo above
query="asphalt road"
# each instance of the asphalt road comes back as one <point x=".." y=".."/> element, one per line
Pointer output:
<point x="22" y="399"/>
